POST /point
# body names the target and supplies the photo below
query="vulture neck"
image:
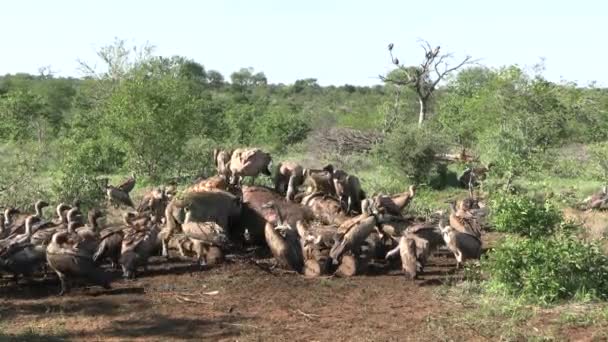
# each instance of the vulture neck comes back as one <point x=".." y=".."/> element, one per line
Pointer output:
<point x="93" y="221"/>
<point x="402" y="200"/>
<point x="453" y="207"/>
<point x="188" y="217"/>
<point x="59" y="211"/>
<point x="279" y="215"/>
<point x="7" y="217"/>
<point x="38" y="209"/>
<point x="28" y="226"/>
<point x="71" y="227"/>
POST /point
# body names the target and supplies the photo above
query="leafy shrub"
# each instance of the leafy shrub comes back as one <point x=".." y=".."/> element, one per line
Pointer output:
<point x="278" y="129"/>
<point x="507" y="149"/>
<point x="599" y="159"/>
<point x="21" y="179"/>
<point x="413" y="149"/>
<point x="522" y="215"/>
<point x="546" y="270"/>
<point x="197" y="159"/>
<point x="78" y="174"/>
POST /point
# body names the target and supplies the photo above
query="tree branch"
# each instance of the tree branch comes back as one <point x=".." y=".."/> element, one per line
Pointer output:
<point x="447" y="69"/>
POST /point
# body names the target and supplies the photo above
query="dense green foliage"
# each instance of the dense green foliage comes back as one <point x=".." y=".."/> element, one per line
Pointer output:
<point x="161" y="117"/>
<point x="522" y="215"/>
<point x="550" y="269"/>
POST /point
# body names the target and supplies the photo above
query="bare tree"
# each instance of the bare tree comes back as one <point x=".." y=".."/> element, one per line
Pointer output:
<point x="423" y="78"/>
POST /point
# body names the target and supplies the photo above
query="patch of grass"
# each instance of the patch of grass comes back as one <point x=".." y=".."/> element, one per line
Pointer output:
<point x="501" y="317"/>
<point x="33" y="331"/>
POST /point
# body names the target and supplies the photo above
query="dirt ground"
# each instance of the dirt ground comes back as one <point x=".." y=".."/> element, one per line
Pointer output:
<point x="235" y="301"/>
<point x="238" y="301"/>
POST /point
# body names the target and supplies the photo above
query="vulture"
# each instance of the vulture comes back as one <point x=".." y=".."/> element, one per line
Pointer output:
<point x="18" y="222"/>
<point x="119" y="195"/>
<point x="464" y="246"/>
<point x="67" y="260"/>
<point x="283" y="241"/>
<point x="44" y="232"/>
<point x="110" y="241"/>
<point x="464" y="221"/>
<point x="395" y="204"/>
<point x="138" y="243"/>
<point x="203" y="235"/>
<point x="352" y="233"/>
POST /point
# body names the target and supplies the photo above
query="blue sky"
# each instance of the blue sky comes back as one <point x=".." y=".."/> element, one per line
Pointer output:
<point x="336" y="42"/>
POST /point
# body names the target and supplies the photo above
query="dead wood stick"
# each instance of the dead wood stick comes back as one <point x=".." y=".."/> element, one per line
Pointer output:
<point x="182" y="299"/>
<point x="241" y="325"/>
<point x="307" y="315"/>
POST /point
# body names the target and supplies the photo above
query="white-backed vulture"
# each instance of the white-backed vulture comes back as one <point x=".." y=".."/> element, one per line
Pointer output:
<point x="205" y="237"/>
<point x="110" y="241"/>
<point x="320" y="180"/>
<point x="119" y="195"/>
<point x="254" y="215"/>
<point x="474" y="176"/>
<point x="221" y="159"/>
<point x="325" y="208"/>
<point x="68" y="261"/>
<point x="249" y="162"/>
<point x="408" y="250"/>
<point x="18" y="255"/>
<point x="464" y="246"/>
<point x="289" y="176"/>
<point x="352" y="233"/>
<point x="464" y="221"/>
<point x="395" y="204"/>
<point x="7" y="221"/>
<point x="137" y="246"/>
<point x="348" y="189"/>
<point x="283" y="240"/>
<point x="17" y="225"/>
<point x="44" y="232"/>
<point x="218" y="206"/>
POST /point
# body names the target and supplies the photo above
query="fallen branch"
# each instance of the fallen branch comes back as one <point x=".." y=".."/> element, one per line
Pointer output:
<point x="307" y="315"/>
<point x="182" y="299"/>
<point x="242" y="325"/>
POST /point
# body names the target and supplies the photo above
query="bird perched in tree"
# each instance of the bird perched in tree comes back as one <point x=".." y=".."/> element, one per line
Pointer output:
<point x="120" y="194"/>
<point x="396" y="61"/>
<point x="390" y="47"/>
<point x="436" y="51"/>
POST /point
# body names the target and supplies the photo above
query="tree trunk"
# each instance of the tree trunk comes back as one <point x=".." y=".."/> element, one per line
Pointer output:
<point x="422" y="115"/>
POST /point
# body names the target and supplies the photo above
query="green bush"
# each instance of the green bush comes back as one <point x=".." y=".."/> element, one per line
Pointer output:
<point x="22" y="180"/>
<point x="599" y="159"/>
<point x="522" y="215"/>
<point x="413" y="149"/>
<point x="279" y="129"/>
<point x="78" y="175"/>
<point x="197" y="159"/>
<point x="546" y="270"/>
